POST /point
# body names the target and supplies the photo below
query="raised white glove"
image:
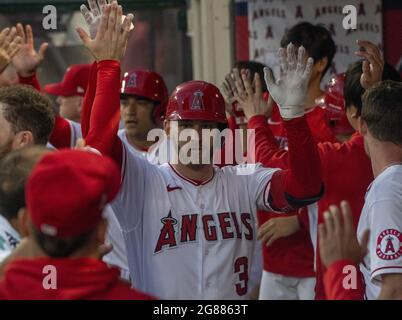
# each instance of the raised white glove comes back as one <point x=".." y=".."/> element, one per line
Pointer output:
<point x="290" y="89"/>
<point x="93" y="15"/>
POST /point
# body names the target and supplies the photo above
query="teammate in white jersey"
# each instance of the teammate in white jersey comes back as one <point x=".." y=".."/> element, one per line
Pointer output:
<point x="143" y="103"/>
<point x="189" y="228"/>
<point x="382" y="212"/>
<point x="15" y="168"/>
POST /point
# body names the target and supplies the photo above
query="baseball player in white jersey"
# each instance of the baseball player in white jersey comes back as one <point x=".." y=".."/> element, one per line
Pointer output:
<point x="381" y="260"/>
<point x="143" y="105"/>
<point x="189" y="228"/>
<point x="382" y="214"/>
<point x="15" y="168"/>
<point x="382" y="211"/>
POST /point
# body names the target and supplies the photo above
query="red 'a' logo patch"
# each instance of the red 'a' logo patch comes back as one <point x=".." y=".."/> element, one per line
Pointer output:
<point x="389" y="245"/>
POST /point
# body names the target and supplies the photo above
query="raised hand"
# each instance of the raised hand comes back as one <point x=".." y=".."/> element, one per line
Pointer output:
<point x="249" y="95"/>
<point x="93" y="15"/>
<point x="9" y="46"/>
<point x="27" y="60"/>
<point x="290" y="89"/>
<point x="373" y="66"/>
<point x="227" y="89"/>
<point x="111" y="39"/>
<point x="337" y="237"/>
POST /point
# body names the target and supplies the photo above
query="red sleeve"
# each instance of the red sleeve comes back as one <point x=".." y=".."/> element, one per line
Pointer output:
<point x="61" y="134"/>
<point x="31" y="81"/>
<point x="267" y="150"/>
<point x="88" y="100"/>
<point x="333" y="281"/>
<point x="105" y="114"/>
<point x="301" y="183"/>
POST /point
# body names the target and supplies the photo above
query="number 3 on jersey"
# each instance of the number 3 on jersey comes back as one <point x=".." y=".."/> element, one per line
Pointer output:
<point x="241" y="268"/>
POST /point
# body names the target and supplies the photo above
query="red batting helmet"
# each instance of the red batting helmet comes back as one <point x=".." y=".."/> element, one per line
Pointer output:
<point x="146" y="84"/>
<point x="196" y="100"/>
<point x="334" y="105"/>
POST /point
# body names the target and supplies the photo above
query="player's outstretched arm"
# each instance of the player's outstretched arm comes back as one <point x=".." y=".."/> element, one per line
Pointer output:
<point x="301" y="184"/>
<point x="108" y="49"/>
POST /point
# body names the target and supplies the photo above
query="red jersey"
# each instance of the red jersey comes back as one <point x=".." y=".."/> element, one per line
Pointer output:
<point x="338" y="161"/>
<point x="76" y="279"/>
<point x="333" y="281"/>
<point x="293" y="255"/>
<point x="347" y="173"/>
<point x="316" y="119"/>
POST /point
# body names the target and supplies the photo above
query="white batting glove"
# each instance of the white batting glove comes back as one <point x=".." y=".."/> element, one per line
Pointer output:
<point x="93" y="15"/>
<point x="290" y="89"/>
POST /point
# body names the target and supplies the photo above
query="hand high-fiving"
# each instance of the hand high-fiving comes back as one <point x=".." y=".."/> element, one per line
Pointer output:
<point x="337" y="236"/>
<point x="27" y="60"/>
<point x="93" y="15"/>
<point x="290" y="89"/>
<point x="373" y="66"/>
<point x="111" y="38"/>
<point x="9" y="46"/>
<point x="248" y="94"/>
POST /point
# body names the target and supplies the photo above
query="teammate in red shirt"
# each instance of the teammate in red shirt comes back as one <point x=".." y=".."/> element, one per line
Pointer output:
<point x="335" y="169"/>
<point x="289" y="262"/>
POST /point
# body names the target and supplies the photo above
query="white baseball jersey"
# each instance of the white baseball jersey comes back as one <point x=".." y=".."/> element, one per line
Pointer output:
<point x="118" y="256"/>
<point x="9" y="238"/>
<point x="75" y="134"/>
<point x="382" y="214"/>
<point x="189" y="240"/>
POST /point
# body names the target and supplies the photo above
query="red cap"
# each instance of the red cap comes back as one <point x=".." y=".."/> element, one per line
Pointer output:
<point x="75" y="82"/>
<point x="334" y="105"/>
<point x="67" y="191"/>
<point x="196" y="100"/>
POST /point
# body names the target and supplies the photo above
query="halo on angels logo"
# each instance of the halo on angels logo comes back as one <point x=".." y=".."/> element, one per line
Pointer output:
<point x="169" y="219"/>
<point x="389" y="244"/>
<point x="132" y="81"/>
<point x="198" y="103"/>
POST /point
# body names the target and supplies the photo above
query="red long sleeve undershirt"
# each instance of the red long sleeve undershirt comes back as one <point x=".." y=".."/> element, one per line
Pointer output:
<point x="89" y="100"/>
<point x="301" y="174"/>
<point x="30" y="81"/>
<point x="333" y="281"/>
<point x="104" y="112"/>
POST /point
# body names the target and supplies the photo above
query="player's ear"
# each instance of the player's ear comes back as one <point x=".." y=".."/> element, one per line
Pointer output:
<point x="362" y="126"/>
<point x="23" y="139"/>
<point x="23" y="223"/>
<point x="321" y="64"/>
<point x="79" y="104"/>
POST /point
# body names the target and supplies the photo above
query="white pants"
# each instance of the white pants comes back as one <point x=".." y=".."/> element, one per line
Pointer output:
<point x="278" y="287"/>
